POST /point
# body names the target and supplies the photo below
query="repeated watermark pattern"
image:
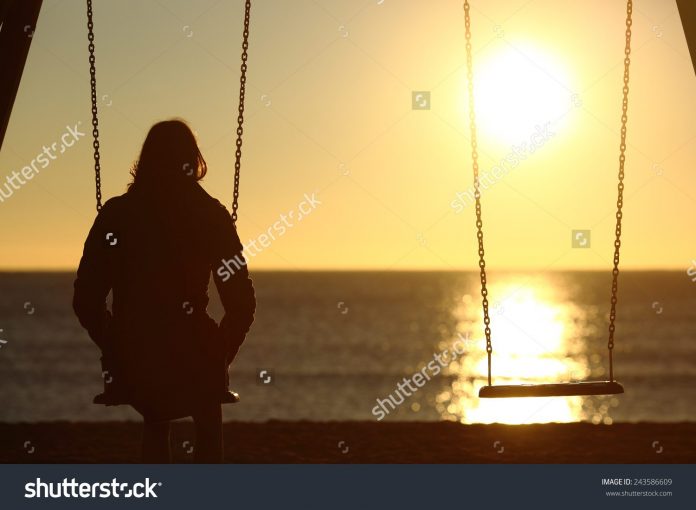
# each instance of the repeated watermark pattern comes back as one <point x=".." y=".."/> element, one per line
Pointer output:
<point x="405" y="388"/>
<point x="265" y="377"/>
<point x="509" y="162"/>
<point x="278" y="229"/>
<point x="581" y="238"/>
<point x="343" y="447"/>
<point x="420" y="100"/>
<point x="691" y="272"/>
<point x="18" y="178"/>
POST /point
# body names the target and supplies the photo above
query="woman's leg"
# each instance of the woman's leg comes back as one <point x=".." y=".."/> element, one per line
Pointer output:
<point x="156" y="442"/>
<point x="208" y="423"/>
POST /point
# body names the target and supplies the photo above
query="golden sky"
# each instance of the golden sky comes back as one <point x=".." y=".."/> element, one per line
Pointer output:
<point x="330" y="105"/>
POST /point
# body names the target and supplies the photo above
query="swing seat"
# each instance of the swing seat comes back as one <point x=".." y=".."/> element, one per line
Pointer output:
<point x="114" y="398"/>
<point x="551" y="390"/>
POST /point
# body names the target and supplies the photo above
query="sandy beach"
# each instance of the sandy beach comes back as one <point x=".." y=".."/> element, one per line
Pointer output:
<point x="363" y="442"/>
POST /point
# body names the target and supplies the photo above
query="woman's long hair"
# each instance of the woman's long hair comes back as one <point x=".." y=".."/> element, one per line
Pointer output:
<point x="170" y="158"/>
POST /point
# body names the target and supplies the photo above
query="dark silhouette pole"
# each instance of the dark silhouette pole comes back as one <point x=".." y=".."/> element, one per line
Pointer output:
<point x="18" y="18"/>
<point x="687" y="13"/>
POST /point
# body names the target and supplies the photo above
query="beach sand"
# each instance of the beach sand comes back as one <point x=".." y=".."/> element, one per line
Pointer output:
<point x="365" y="442"/>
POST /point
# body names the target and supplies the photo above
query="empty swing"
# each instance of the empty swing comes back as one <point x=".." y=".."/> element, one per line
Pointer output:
<point x="610" y="387"/>
<point x="111" y="396"/>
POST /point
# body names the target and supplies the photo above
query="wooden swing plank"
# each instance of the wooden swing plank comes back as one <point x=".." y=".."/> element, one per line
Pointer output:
<point x="551" y="390"/>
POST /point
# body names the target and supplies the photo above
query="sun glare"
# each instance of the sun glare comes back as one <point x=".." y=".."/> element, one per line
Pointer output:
<point x="534" y="334"/>
<point x="518" y="89"/>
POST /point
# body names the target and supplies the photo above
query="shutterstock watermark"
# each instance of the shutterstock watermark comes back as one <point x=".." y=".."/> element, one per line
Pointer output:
<point x="510" y="161"/>
<point x="405" y="388"/>
<point x="264" y="240"/>
<point x="48" y="154"/>
<point x="74" y="489"/>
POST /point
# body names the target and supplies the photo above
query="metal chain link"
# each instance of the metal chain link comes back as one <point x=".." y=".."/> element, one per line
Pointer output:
<point x="240" y="116"/>
<point x="477" y="190"/>
<point x="95" y="116"/>
<point x="620" y="188"/>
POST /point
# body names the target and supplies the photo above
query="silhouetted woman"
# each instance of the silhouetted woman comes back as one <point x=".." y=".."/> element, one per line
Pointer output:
<point x="155" y="247"/>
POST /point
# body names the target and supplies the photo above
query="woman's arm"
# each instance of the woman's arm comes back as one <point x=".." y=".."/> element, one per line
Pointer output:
<point x="232" y="280"/>
<point x="94" y="280"/>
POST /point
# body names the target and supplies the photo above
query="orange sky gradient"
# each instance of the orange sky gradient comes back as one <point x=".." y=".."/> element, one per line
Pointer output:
<point x="330" y="115"/>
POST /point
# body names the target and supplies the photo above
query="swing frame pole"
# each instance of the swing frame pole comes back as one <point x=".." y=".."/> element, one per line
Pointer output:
<point x="18" y="18"/>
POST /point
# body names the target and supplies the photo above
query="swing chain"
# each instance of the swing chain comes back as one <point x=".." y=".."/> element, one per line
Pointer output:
<point x="620" y="188"/>
<point x="95" y="117"/>
<point x="477" y="190"/>
<point x="240" y="116"/>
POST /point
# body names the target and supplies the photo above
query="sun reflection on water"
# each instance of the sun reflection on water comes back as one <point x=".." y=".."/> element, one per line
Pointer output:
<point x="538" y="336"/>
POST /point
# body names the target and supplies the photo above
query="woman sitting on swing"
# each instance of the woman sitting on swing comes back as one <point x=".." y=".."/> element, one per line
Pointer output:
<point x="155" y="247"/>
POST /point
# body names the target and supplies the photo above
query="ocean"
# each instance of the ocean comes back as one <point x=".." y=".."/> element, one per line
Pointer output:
<point x="333" y="345"/>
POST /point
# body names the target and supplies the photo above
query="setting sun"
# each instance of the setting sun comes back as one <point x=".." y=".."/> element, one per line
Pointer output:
<point x="519" y="88"/>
